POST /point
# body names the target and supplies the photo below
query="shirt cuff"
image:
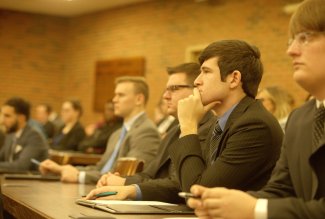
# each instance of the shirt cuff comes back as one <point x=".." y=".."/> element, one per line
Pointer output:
<point x="138" y="194"/>
<point x="260" y="211"/>
<point x="82" y="177"/>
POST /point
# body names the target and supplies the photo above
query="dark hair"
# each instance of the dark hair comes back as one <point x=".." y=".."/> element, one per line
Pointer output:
<point x="20" y="105"/>
<point x="191" y="69"/>
<point x="76" y="105"/>
<point x="140" y="85"/>
<point x="237" y="55"/>
<point x="310" y="16"/>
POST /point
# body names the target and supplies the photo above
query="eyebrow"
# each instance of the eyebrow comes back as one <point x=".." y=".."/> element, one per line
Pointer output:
<point x="205" y="68"/>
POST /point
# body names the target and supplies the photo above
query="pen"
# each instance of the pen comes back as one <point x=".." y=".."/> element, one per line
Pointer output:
<point x="34" y="161"/>
<point x="103" y="194"/>
<point x="187" y="195"/>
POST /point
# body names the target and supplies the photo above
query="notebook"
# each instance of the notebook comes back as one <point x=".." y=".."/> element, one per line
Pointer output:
<point x="30" y="176"/>
<point x="136" y="207"/>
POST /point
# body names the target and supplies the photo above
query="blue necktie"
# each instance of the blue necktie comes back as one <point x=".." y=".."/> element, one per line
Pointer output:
<point x="108" y="166"/>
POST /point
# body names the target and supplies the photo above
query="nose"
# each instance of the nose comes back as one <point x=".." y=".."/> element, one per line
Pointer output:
<point x="198" y="80"/>
<point x="166" y="95"/>
<point x="293" y="49"/>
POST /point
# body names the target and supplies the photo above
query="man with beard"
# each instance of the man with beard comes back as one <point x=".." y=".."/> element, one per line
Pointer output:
<point x="22" y="142"/>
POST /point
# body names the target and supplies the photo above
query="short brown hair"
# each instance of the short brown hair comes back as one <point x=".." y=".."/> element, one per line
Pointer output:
<point x="237" y="55"/>
<point x="310" y="15"/>
<point x="140" y="85"/>
<point x="191" y="69"/>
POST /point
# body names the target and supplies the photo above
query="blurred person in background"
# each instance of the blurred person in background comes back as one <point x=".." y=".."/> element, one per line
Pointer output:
<point x="22" y="142"/>
<point x="72" y="132"/>
<point x="97" y="135"/>
<point x="43" y="112"/>
<point x="277" y="101"/>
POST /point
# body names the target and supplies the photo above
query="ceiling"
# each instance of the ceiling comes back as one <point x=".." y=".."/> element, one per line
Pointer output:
<point x="64" y="8"/>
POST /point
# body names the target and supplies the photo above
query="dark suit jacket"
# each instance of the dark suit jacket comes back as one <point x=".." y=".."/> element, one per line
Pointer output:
<point x="162" y="173"/>
<point x="99" y="139"/>
<point x="141" y="141"/>
<point x="246" y="154"/>
<point x="299" y="176"/>
<point x="69" y="141"/>
<point x="29" y="145"/>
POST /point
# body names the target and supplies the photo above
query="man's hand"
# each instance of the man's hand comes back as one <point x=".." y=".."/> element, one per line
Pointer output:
<point x="49" y="166"/>
<point x="123" y="192"/>
<point x="69" y="174"/>
<point x="190" y="111"/>
<point x="222" y="203"/>
<point x="111" y="179"/>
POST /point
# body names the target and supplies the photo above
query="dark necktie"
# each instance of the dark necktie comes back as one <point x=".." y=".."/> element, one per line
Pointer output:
<point x="318" y="126"/>
<point x="214" y="141"/>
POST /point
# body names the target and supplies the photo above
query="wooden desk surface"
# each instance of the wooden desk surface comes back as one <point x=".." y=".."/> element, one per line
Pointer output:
<point x="44" y="199"/>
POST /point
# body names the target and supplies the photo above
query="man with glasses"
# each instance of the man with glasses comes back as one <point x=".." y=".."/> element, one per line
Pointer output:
<point x="297" y="186"/>
<point x="160" y="172"/>
<point x="244" y="144"/>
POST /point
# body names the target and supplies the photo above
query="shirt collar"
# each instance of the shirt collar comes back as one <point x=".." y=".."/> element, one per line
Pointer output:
<point x="18" y="133"/>
<point x="318" y="103"/>
<point x="224" y="118"/>
<point x="129" y="124"/>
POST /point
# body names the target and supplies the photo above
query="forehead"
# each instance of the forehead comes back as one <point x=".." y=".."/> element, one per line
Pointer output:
<point x="7" y="109"/>
<point x="66" y="105"/>
<point x="124" y="87"/>
<point x="177" y="78"/>
<point x="210" y="63"/>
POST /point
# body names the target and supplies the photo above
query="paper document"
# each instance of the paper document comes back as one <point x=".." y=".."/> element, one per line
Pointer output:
<point x="113" y="202"/>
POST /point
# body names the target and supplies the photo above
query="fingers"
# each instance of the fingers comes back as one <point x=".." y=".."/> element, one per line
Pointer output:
<point x="194" y="203"/>
<point x="217" y="192"/>
<point x="210" y="106"/>
<point x="92" y="194"/>
<point x="197" y="190"/>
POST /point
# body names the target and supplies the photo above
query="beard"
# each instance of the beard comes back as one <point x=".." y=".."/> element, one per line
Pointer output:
<point x="13" y="128"/>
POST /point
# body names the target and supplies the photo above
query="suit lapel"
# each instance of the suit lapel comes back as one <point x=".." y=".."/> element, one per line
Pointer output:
<point x="235" y="114"/>
<point x="124" y="146"/>
<point x="314" y="176"/>
<point x="172" y="136"/>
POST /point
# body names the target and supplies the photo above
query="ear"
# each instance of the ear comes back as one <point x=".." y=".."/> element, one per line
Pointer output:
<point x="234" y="79"/>
<point x="139" y="100"/>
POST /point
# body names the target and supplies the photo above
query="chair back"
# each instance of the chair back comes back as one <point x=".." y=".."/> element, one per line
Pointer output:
<point x="128" y="166"/>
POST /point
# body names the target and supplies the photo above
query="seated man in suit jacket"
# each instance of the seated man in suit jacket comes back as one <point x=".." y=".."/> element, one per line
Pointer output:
<point x="179" y="86"/>
<point x="243" y="152"/>
<point x="22" y="142"/>
<point x="137" y="138"/>
<point x="297" y="186"/>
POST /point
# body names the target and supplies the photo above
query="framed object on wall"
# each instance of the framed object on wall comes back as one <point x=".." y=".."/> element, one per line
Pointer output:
<point x="106" y="73"/>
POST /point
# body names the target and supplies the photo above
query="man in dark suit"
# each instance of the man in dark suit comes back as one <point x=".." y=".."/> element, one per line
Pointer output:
<point x="245" y="152"/>
<point x="160" y="171"/>
<point x="137" y="138"/>
<point x="297" y="186"/>
<point x="22" y="142"/>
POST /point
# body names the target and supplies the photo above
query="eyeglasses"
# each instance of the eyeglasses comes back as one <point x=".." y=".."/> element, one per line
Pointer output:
<point x="303" y="38"/>
<point x="173" y="88"/>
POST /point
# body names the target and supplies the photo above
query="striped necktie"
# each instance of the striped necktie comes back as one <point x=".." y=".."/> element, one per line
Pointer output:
<point x="318" y="126"/>
<point x="214" y="141"/>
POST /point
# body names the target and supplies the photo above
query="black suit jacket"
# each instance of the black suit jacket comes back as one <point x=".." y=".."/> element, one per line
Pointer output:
<point x="69" y="141"/>
<point x="299" y="177"/>
<point x="162" y="174"/>
<point x="29" y="145"/>
<point x="246" y="154"/>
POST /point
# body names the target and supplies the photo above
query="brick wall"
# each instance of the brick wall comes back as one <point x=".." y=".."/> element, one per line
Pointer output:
<point x="48" y="58"/>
